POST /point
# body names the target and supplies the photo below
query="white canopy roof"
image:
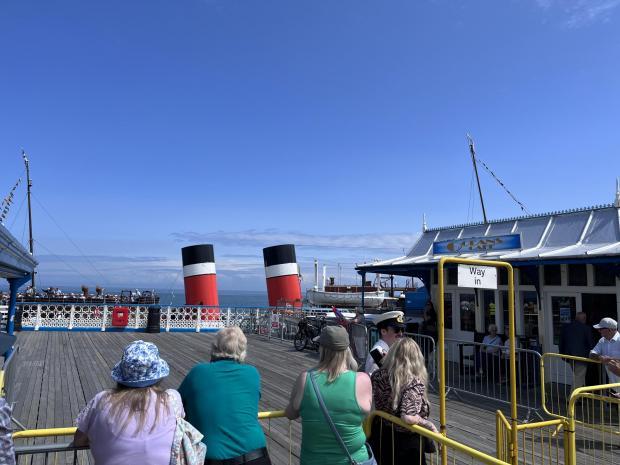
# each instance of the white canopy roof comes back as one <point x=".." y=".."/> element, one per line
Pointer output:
<point x="574" y="234"/>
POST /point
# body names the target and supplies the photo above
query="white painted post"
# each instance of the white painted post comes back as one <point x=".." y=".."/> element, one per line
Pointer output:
<point x="37" y="322"/>
<point x="228" y="317"/>
<point x="168" y="320"/>
<point x="198" y="315"/>
<point x="137" y="318"/>
<point x="105" y="317"/>
<point x="71" y="317"/>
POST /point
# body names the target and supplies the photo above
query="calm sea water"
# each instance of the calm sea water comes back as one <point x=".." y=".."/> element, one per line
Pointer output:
<point x="226" y="298"/>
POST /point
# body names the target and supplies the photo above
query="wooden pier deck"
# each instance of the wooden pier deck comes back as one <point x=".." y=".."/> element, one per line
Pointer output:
<point x="56" y="373"/>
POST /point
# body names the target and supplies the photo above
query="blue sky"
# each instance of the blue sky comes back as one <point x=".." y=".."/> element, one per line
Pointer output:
<point x="333" y="125"/>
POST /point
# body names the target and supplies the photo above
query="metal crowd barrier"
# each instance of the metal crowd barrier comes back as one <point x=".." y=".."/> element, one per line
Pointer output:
<point x="427" y="346"/>
<point x="560" y="375"/>
<point x="386" y="431"/>
<point x="482" y="370"/>
<point x="278" y="430"/>
<point x="539" y="443"/>
<point x="593" y="426"/>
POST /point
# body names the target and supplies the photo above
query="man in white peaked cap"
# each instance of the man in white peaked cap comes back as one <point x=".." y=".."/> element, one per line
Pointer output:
<point x="608" y="349"/>
<point x="391" y="326"/>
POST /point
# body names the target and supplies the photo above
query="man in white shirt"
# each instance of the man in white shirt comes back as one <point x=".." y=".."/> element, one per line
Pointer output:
<point x="608" y="349"/>
<point x="391" y="326"/>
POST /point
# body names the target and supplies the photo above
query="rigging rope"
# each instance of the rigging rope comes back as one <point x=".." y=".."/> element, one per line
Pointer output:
<point x="105" y="281"/>
<point x="62" y="260"/>
<point x="523" y="208"/>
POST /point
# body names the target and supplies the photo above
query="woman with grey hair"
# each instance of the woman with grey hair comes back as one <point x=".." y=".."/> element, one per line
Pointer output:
<point x="220" y="399"/>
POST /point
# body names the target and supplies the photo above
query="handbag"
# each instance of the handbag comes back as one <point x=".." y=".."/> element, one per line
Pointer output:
<point x="371" y="460"/>
<point x="187" y="445"/>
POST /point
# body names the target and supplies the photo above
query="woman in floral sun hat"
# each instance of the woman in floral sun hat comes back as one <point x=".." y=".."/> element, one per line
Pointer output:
<point x="136" y="421"/>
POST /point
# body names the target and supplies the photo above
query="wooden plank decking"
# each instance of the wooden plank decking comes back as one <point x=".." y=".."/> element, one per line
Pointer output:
<point x="56" y="373"/>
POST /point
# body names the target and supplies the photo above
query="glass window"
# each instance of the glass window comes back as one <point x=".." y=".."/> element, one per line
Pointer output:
<point x="447" y="311"/>
<point x="577" y="275"/>
<point x="529" y="300"/>
<point x="488" y="299"/>
<point x="604" y="276"/>
<point x="563" y="311"/>
<point x="527" y="275"/>
<point x="503" y="276"/>
<point x="468" y="311"/>
<point x="452" y="275"/>
<point x="553" y="275"/>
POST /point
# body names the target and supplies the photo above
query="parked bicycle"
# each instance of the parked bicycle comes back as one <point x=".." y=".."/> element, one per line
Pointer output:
<point x="306" y="331"/>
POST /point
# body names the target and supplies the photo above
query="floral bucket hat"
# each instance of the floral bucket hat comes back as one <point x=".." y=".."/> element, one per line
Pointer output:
<point x="140" y="366"/>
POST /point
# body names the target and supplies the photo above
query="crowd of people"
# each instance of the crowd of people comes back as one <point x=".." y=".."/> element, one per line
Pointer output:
<point x="212" y="418"/>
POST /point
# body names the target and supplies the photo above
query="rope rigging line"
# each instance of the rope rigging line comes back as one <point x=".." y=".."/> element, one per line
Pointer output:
<point x="105" y="280"/>
<point x="523" y="208"/>
<point x="85" y="278"/>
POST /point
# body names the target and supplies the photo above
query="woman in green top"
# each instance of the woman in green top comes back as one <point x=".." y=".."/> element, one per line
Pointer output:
<point x="221" y="400"/>
<point x="347" y="396"/>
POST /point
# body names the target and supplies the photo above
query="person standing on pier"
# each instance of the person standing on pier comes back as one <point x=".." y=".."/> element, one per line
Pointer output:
<point x="391" y="326"/>
<point x="7" y="451"/>
<point x="576" y="340"/>
<point x="607" y="350"/>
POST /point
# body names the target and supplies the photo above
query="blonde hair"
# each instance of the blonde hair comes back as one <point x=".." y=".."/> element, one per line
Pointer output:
<point x="230" y="343"/>
<point x="404" y="362"/>
<point x="335" y="362"/>
<point x="126" y="402"/>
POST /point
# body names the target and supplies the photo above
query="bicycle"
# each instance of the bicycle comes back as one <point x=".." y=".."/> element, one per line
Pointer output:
<point x="306" y="332"/>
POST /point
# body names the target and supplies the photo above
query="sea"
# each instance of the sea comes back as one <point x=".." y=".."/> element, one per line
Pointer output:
<point x="226" y="298"/>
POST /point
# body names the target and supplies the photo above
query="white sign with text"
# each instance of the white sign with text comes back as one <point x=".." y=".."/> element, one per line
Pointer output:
<point x="482" y="277"/>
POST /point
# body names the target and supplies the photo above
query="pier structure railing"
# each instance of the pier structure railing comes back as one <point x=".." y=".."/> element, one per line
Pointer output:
<point x="269" y="321"/>
<point x="282" y="448"/>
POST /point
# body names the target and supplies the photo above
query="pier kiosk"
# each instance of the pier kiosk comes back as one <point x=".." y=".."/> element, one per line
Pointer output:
<point x="565" y="262"/>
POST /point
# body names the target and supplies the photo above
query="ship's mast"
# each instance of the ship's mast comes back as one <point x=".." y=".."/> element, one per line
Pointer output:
<point x="472" y="151"/>
<point x="29" y="211"/>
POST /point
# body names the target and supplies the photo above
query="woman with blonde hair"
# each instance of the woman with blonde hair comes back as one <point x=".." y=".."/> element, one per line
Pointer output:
<point x="136" y="421"/>
<point x="221" y="401"/>
<point x="399" y="389"/>
<point x="332" y="400"/>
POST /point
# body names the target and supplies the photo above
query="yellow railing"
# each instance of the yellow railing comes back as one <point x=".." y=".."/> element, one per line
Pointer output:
<point x="512" y="367"/>
<point x="538" y="444"/>
<point x="597" y="425"/>
<point x="557" y="375"/>
<point x="2" y="393"/>
<point x="451" y="447"/>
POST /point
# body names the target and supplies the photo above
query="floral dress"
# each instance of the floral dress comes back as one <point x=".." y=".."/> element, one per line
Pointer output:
<point x="406" y="449"/>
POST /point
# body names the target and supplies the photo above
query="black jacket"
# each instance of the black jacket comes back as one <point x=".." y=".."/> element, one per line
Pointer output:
<point x="576" y="339"/>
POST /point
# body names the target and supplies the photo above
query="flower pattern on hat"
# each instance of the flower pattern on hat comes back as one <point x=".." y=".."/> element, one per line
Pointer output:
<point x="140" y="366"/>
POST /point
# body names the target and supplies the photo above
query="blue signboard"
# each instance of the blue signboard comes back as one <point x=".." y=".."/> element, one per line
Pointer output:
<point x="477" y="244"/>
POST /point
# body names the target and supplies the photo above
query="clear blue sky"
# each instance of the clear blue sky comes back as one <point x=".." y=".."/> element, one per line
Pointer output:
<point x="335" y="125"/>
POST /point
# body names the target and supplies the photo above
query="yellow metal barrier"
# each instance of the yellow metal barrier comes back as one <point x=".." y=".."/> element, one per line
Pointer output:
<point x="279" y="440"/>
<point x="593" y="426"/>
<point x="557" y="380"/>
<point x="539" y="443"/>
<point x="2" y="393"/>
<point x="511" y="335"/>
<point x="455" y="451"/>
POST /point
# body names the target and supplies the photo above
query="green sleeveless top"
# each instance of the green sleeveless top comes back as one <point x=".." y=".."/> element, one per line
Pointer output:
<point x="319" y="446"/>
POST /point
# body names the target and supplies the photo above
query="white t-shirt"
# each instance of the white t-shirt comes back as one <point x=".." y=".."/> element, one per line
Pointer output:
<point x="370" y="367"/>
<point x="611" y="349"/>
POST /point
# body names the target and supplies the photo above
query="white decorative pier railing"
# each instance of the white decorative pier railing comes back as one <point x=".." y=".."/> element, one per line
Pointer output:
<point x="274" y="322"/>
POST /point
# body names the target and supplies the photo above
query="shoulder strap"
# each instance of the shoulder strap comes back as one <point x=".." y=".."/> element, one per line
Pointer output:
<point x="327" y="417"/>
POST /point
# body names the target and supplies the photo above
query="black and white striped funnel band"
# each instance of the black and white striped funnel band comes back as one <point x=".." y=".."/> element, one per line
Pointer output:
<point x="280" y="260"/>
<point x="198" y="260"/>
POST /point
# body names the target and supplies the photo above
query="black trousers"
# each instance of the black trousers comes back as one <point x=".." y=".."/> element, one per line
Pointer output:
<point x="397" y="447"/>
